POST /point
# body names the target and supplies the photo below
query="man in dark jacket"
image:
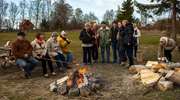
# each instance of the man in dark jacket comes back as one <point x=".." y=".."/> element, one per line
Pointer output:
<point x="86" y="38"/>
<point x="22" y="50"/>
<point x="128" y="40"/>
<point x="113" y="36"/>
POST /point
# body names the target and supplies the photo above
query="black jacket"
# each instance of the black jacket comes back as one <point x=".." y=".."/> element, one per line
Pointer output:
<point x="113" y="35"/>
<point x="128" y="31"/>
<point x="86" y="37"/>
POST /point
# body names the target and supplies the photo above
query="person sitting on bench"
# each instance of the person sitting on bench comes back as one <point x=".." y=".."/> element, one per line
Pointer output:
<point x="55" y="52"/>
<point x="22" y="50"/>
<point x="39" y="52"/>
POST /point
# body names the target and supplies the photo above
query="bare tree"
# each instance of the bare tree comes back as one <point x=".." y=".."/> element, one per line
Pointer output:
<point x="48" y="2"/>
<point x="13" y="12"/>
<point x="36" y="11"/>
<point x="3" y="9"/>
<point x="30" y="10"/>
<point x="23" y="6"/>
<point x="109" y="16"/>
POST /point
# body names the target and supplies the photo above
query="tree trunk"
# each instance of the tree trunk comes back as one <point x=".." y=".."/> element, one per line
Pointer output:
<point x="173" y="35"/>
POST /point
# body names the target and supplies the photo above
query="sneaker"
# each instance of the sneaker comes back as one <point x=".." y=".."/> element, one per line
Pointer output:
<point x="53" y="73"/>
<point x="46" y="75"/>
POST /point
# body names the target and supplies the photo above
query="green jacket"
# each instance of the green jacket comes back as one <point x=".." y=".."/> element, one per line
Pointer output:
<point x="104" y="35"/>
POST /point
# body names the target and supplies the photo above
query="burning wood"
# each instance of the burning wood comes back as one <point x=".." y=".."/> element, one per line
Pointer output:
<point x="79" y="82"/>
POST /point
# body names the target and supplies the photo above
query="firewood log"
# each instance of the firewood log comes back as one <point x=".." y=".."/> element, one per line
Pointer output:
<point x="173" y="76"/>
<point x="165" y="85"/>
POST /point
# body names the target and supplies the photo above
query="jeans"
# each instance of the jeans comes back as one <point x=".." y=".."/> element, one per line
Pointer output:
<point x="107" y="50"/>
<point x="60" y="61"/>
<point x="135" y="50"/>
<point x="114" y="50"/>
<point x="168" y="55"/>
<point x="129" y="53"/>
<point x="121" y="54"/>
<point x="44" y="60"/>
<point x="95" y="52"/>
<point x="69" y="58"/>
<point x="27" y="64"/>
<point x="87" y="55"/>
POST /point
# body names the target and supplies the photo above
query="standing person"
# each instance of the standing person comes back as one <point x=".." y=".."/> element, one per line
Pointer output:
<point x="120" y="46"/>
<point x="128" y="40"/>
<point x="55" y="52"/>
<point x="64" y="45"/>
<point x="86" y="38"/>
<point x="137" y="35"/>
<point x="166" y="46"/>
<point x="104" y="35"/>
<point x="95" y="42"/>
<point x="39" y="52"/>
<point x="113" y="35"/>
<point x="22" y="50"/>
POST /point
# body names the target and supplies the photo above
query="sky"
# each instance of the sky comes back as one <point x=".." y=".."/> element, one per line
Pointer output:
<point x="98" y="7"/>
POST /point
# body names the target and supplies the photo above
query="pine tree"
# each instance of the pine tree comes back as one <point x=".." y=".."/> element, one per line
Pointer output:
<point x="126" y="12"/>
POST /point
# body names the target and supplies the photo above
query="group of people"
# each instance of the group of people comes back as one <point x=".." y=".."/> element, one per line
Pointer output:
<point x="122" y="37"/>
<point x="55" y="49"/>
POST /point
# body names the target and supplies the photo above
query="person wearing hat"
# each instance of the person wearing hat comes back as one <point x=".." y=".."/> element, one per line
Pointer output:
<point x="22" y="50"/>
<point x="166" y="46"/>
<point x="87" y="43"/>
<point x="105" y="39"/>
<point x="39" y="52"/>
<point x="55" y="52"/>
<point x="64" y="42"/>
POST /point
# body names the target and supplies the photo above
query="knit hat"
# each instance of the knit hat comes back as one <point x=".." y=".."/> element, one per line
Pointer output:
<point x="21" y="34"/>
<point x="63" y="33"/>
<point x="54" y="34"/>
<point x="163" y="39"/>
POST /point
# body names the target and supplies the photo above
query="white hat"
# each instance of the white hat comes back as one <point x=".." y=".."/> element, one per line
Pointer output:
<point x="163" y="39"/>
<point x="63" y="33"/>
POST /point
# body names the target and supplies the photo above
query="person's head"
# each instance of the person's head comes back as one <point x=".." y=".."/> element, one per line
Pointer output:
<point x="95" y="26"/>
<point x="103" y="24"/>
<point x="163" y="41"/>
<point x="165" y="33"/>
<point x="54" y="35"/>
<point x="64" y="34"/>
<point x="134" y="25"/>
<point x="119" y="24"/>
<point x="124" y="23"/>
<point x="40" y="36"/>
<point x="87" y="26"/>
<point x="21" y="35"/>
<point x="114" y="24"/>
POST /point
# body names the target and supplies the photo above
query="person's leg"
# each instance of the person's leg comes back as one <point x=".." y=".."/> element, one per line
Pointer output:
<point x="102" y="54"/>
<point x="135" y="51"/>
<point x="114" y="50"/>
<point x="60" y="60"/>
<point x="69" y="57"/>
<point x="33" y="62"/>
<point x="167" y="54"/>
<point x="85" y="55"/>
<point x="43" y="61"/>
<point x="23" y="65"/>
<point x="50" y="65"/>
<point x="119" y="55"/>
<point x="95" y="53"/>
<point x="130" y="55"/>
<point x="108" y="54"/>
<point x="89" y="51"/>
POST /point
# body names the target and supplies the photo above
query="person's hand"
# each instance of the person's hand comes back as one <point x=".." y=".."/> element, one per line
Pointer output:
<point x="26" y="55"/>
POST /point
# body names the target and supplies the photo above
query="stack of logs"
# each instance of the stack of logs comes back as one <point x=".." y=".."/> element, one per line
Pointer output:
<point x="161" y="75"/>
<point x="79" y="82"/>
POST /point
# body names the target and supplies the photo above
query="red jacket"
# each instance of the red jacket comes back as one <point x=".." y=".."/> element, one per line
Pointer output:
<point x="21" y="47"/>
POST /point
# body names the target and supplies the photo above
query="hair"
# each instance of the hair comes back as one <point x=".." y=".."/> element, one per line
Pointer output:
<point x="39" y="34"/>
<point x="114" y="22"/>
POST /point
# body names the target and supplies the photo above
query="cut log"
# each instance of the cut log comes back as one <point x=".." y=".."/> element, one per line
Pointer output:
<point x="165" y="85"/>
<point x="149" y="64"/>
<point x="148" y="77"/>
<point x="156" y="67"/>
<point x="174" y="65"/>
<point x="136" y="68"/>
<point x="177" y="69"/>
<point x="85" y="91"/>
<point x="173" y="76"/>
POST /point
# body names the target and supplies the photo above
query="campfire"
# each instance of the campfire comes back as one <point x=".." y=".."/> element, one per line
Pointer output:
<point x="79" y="82"/>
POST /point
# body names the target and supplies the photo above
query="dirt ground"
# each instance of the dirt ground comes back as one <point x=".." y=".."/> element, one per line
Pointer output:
<point x="119" y="86"/>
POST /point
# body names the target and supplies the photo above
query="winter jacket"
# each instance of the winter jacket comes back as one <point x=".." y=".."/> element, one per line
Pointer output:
<point x="52" y="47"/>
<point x="128" y="31"/>
<point x="105" y="38"/>
<point x="86" y="38"/>
<point x="21" y="47"/>
<point x="170" y="44"/>
<point x="38" y="49"/>
<point x="113" y="34"/>
<point x="137" y="35"/>
<point x="120" y="37"/>
<point x="63" y="43"/>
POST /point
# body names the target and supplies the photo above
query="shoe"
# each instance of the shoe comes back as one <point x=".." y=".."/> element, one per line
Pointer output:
<point x="53" y="73"/>
<point x="27" y="76"/>
<point x="46" y="75"/>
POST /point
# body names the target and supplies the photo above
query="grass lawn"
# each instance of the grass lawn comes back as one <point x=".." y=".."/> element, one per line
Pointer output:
<point x="119" y="85"/>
